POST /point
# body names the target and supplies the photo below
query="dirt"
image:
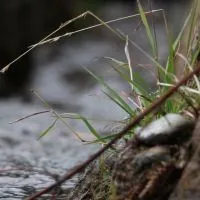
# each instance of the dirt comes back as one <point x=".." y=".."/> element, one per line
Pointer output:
<point x="189" y="184"/>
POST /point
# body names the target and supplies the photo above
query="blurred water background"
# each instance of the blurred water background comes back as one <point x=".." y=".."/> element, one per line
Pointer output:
<point x="56" y="72"/>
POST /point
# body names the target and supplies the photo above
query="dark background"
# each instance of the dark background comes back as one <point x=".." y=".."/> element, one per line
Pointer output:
<point x="25" y="22"/>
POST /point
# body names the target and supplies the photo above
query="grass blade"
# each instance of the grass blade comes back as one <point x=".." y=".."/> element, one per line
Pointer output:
<point x="112" y="93"/>
<point x="45" y="132"/>
<point x="150" y="36"/>
<point x="89" y="126"/>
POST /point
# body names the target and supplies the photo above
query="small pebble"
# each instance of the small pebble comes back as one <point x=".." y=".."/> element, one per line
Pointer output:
<point x="146" y="158"/>
<point x="169" y="129"/>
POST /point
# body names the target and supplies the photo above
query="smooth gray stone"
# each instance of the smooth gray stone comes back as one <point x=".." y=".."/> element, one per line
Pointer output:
<point x="170" y="129"/>
<point x="146" y="158"/>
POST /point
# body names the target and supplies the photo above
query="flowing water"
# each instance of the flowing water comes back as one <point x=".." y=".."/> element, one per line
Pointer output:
<point x="28" y="164"/>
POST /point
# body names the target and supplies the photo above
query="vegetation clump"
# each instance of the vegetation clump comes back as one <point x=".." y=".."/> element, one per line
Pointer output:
<point x="98" y="181"/>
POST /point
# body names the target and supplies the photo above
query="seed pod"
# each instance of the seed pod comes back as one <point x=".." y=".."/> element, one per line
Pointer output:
<point x="170" y="129"/>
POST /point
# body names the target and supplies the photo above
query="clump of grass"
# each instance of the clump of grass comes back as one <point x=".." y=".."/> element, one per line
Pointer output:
<point x="185" y="101"/>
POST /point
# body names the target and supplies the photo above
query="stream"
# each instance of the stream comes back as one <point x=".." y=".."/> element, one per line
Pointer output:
<point x="28" y="164"/>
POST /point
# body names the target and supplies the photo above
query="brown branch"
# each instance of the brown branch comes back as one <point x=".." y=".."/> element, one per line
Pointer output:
<point x="135" y="121"/>
<point x="28" y="116"/>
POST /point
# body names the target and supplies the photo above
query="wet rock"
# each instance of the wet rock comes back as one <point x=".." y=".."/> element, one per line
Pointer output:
<point x="143" y="172"/>
<point x="146" y="158"/>
<point x="169" y="129"/>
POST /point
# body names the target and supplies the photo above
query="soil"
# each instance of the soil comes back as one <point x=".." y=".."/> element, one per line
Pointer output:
<point x="189" y="184"/>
